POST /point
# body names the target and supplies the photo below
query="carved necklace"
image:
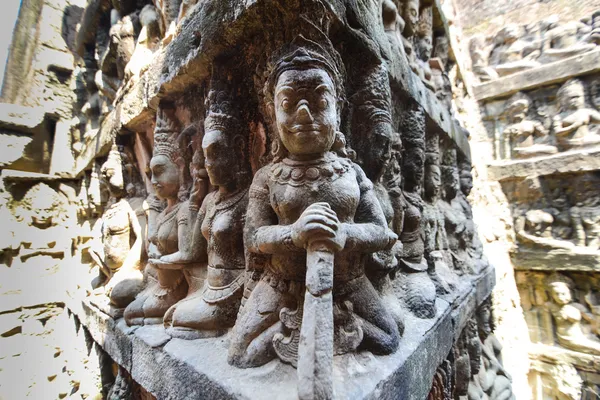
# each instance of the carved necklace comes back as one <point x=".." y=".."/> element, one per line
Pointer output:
<point x="303" y="173"/>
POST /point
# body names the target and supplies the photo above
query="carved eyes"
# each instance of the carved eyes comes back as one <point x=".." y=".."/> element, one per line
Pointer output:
<point x="322" y="104"/>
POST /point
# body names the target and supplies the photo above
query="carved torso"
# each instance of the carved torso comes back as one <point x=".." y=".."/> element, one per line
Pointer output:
<point x="222" y="227"/>
<point x="293" y="186"/>
<point x="165" y="236"/>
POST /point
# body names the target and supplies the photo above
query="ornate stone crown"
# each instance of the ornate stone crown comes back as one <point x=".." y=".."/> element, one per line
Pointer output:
<point x="165" y="136"/>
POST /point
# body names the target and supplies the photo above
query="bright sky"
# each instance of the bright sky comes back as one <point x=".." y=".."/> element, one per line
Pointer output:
<point x="8" y="17"/>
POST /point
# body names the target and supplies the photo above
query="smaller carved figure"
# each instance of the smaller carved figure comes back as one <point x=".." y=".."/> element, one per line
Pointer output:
<point x="479" y="59"/>
<point x="433" y="228"/>
<point x="456" y="222"/>
<point x="528" y="137"/>
<point x="568" y="315"/>
<point x="44" y="211"/>
<point x="423" y="42"/>
<point x="418" y="290"/>
<point x="147" y="42"/>
<point x="491" y="381"/>
<point x="116" y="56"/>
<point x="585" y="219"/>
<point x="168" y="232"/>
<point x="408" y="26"/>
<point x="511" y="54"/>
<point x="121" y="254"/>
<point x="571" y="125"/>
<point x="565" y="40"/>
<point x="215" y="293"/>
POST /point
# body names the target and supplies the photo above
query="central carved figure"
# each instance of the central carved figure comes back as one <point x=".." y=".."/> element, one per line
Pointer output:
<point x="313" y="212"/>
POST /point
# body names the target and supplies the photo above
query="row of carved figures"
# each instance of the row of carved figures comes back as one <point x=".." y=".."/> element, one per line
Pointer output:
<point x="518" y="48"/>
<point x="575" y="126"/>
<point x="409" y="26"/>
<point x="308" y="253"/>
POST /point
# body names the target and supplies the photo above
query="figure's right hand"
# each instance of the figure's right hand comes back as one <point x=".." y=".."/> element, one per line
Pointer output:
<point x="317" y="223"/>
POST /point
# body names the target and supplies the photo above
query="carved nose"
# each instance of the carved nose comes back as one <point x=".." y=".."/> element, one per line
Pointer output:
<point x="304" y="113"/>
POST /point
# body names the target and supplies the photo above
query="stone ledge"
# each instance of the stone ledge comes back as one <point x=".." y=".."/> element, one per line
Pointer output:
<point x="174" y="368"/>
<point x="542" y="76"/>
<point x="561" y="163"/>
<point x="540" y="259"/>
<point x="556" y="354"/>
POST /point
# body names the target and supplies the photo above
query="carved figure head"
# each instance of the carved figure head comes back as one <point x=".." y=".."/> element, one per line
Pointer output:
<point x="517" y="107"/>
<point x="485" y="321"/>
<point x="304" y="93"/>
<point x="441" y="49"/>
<point x="466" y="178"/>
<point x="424" y="39"/>
<point x="167" y="162"/>
<point x="450" y="174"/>
<point x="112" y="172"/>
<point x="223" y="144"/>
<point x="42" y="205"/>
<point x="560" y="288"/>
<point x="571" y="95"/>
<point x="410" y="14"/>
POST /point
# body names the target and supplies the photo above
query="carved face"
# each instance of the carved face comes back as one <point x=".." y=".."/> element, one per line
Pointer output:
<point x="305" y="111"/>
<point x="218" y="154"/>
<point x="483" y="320"/>
<point x="411" y="15"/>
<point x="452" y="183"/>
<point x="424" y="47"/>
<point x="165" y="177"/>
<point x="433" y="181"/>
<point x="560" y="293"/>
<point x="112" y="175"/>
<point x="573" y="99"/>
<point x="466" y="182"/>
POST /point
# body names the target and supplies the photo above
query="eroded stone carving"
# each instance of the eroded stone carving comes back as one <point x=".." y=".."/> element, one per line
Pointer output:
<point x="519" y="48"/>
<point x="121" y="254"/>
<point x="315" y="213"/>
<point x="571" y="125"/>
<point x="529" y="138"/>
<point x="567" y="317"/>
<point x="490" y="380"/>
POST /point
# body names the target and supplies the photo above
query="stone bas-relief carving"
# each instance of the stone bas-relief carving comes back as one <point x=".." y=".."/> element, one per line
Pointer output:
<point x="561" y="309"/>
<point x="563" y="216"/>
<point x="489" y="378"/>
<point x="120" y="255"/>
<point x="548" y="120"/>
<point x="571" y="125"/>
<point x="528" y="138"/>
<point x="519" y="48"/>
